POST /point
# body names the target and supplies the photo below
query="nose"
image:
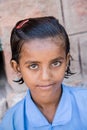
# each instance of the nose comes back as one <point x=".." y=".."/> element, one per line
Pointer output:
<point x="46" y="74"/>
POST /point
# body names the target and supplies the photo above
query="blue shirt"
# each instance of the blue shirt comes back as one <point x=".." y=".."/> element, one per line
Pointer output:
<point x="71" y="113"/>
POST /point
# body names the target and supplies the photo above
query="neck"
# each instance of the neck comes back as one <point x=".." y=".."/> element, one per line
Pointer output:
<point x="49" y="105"/>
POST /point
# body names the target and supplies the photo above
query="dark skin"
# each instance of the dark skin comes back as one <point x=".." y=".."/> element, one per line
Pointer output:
<point x="42" y="67"/>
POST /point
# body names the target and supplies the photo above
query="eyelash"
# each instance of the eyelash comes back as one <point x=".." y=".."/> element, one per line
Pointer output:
<point x="36" y="66"/>
<point x="56" y="63"/>
<point x="33" y="66"/>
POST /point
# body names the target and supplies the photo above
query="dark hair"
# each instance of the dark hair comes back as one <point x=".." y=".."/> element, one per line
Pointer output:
<point x="41" y="27"/>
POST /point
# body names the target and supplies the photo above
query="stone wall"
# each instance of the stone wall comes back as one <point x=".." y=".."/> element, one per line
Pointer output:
<point x="71" y="13"/>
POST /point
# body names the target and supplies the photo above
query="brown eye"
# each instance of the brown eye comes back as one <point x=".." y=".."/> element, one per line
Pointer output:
<point x="33" y="66"/>
<point x="56" y="64"/>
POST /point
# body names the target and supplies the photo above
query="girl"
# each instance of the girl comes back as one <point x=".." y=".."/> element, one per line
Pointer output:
<point x="41" y="57"/>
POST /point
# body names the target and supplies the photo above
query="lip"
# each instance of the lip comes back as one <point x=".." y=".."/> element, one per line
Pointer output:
<point x="46" y="86"/>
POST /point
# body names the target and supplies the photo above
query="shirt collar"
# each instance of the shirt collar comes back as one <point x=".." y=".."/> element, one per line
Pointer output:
<point x="62" y="115"/>
<point x="64" y="110"/>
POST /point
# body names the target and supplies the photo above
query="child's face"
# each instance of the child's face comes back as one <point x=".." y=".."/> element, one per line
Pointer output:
<point x="42" y="65"/>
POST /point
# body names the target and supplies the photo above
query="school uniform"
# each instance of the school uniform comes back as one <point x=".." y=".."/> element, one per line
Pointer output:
<point x="71" y="113"/>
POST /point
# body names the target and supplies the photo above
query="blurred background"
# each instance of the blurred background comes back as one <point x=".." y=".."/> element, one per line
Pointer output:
<point x="72" y="14"/>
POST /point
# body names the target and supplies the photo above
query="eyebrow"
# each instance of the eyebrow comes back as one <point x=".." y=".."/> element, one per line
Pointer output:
<point x="34" y="62"/>
<point x="58" y="58"/>
<point x="29" y="62"/>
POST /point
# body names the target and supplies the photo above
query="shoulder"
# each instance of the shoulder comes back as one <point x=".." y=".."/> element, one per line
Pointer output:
<point x="12" y="114"/>
<point x="79" y="96"/>
<point x="76" y="90"/>
<point x="78" y="93"/>
<point x="17" y="107"/>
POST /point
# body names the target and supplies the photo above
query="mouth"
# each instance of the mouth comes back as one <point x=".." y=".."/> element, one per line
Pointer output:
<point x="46" y="86"/>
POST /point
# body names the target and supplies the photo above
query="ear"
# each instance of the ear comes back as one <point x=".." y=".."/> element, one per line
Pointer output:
<point x="68" y="58"/>
<point x="15" y="66"/>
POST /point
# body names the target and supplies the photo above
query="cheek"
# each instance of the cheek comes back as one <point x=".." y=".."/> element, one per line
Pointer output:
<point x="29" y="78"/>
<point x="60" y="73"/>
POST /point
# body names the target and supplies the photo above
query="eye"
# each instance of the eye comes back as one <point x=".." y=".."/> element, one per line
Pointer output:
<point x="33" y="66"/>
<point x="56" y="64"/>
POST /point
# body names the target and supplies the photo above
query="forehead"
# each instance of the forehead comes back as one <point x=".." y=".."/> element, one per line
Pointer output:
<point x="44" y="42"/>
<point x="43" y="47"/>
